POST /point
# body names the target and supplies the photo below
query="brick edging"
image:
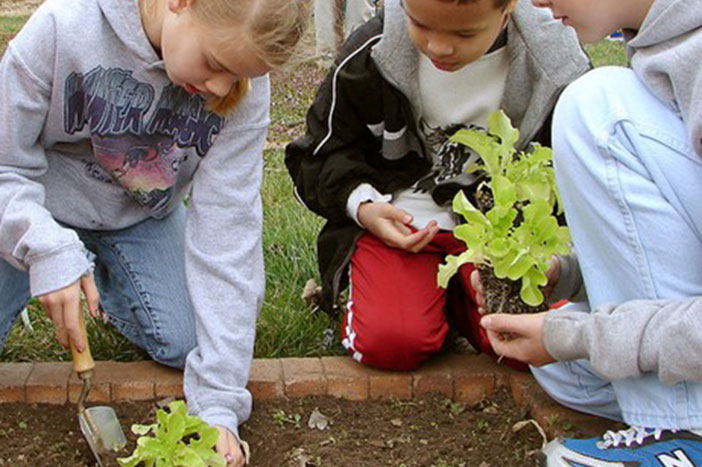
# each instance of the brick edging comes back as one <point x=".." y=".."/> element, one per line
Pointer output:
<point x="464" y="378"/>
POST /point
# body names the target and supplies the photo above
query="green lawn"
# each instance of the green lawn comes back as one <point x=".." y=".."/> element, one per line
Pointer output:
<point x="11" y="24"/>
<point x="287" y="326"/>
<point x="607" y="53"/>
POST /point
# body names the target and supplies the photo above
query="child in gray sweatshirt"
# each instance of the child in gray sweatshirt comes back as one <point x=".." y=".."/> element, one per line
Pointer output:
<point x="111" y="112"/>
<point x="627" y="153"/>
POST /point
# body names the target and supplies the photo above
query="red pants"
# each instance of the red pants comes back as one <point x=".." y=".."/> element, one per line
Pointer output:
<point x="397" y="314"/>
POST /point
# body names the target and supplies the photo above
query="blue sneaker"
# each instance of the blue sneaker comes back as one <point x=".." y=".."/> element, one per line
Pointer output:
<point x="616" y="36"/>
<point x="634" y="447"/>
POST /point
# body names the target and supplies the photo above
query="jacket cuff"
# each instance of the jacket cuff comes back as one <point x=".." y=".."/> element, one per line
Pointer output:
<point x="222" y="417"/>
<point x="565" y="334"/>
<point x="58" y="270"/>
<point x="361" y="194"/>
<point x="570" y="283"/>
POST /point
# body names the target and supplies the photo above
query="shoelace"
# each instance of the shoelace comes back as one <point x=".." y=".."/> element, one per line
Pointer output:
<point x="634" y="434"/>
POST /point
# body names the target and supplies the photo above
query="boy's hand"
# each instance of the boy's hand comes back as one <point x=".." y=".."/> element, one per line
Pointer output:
<point x="518" y="336"/>
<point x="228" y="446"/>
<point x="553" y="274"/>
<point x="391" y="226"/>
<point x="63" y="307"/>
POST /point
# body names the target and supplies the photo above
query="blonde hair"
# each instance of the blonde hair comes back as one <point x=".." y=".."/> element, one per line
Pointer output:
<point x="275" y="28"/>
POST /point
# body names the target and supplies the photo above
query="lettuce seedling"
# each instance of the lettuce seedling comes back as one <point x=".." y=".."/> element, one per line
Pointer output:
<point x="515" y="232"/>
<point x="178" y="439"/>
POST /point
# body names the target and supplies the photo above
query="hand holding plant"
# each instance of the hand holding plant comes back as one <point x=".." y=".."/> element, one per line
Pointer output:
<point x="512" y="232"/>
<point x="519" y="337"/>
<point x="552" y="274"/>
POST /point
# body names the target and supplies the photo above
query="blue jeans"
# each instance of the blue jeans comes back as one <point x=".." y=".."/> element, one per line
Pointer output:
<point x="630" y="183"/>
<point x="140" y="274"/>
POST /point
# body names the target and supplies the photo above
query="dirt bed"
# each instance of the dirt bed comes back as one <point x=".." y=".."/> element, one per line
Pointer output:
<point x="431" y="431"/>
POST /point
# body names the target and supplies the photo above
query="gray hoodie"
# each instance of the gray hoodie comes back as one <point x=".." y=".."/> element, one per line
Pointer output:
<point x="93" y="134"/>
<point x="662" y="336"/>
<point x="666" y="53"/>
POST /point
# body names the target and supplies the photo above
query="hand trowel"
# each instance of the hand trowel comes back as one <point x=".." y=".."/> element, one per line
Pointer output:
<point x="99" y="425"/>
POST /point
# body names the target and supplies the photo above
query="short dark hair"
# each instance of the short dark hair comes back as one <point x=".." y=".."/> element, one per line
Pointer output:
<point x="501" y="4"/>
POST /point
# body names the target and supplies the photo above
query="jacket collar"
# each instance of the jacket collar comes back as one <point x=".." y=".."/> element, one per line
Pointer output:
<point x="544" y="57"/>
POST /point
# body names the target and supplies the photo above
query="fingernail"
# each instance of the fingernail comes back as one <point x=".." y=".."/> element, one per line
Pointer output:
<point x="485" y="321"/>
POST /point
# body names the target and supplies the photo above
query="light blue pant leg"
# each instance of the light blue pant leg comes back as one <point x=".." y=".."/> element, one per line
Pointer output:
<point x="630" y="183"/>
<point x="140" y="273"/>
<point x="14" y="295"/>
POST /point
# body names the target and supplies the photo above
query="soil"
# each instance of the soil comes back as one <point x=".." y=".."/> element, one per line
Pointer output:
<point x="502" y="295"/>
<point x="430" y="431"/>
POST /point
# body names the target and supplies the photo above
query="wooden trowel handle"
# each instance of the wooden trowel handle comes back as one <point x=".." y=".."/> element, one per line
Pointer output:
<point x="82" y="361"/>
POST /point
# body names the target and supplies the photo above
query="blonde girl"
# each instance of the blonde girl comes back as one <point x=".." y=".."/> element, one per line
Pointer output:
<point x="111" y="112"/>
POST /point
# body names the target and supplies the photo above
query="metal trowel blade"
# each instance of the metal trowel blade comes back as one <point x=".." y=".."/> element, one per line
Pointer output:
<point x="102" y="430"/>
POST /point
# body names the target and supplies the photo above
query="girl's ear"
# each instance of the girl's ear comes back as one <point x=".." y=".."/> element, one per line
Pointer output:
<point x="178" y="6"/>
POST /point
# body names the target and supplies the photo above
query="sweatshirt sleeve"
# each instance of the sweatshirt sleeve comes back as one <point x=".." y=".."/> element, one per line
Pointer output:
<point x="30" y="238"/>
<point x="624" y="341"/>
<point x="224" y="263"/>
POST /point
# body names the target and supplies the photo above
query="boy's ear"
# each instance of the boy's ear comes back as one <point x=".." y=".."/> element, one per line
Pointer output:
<point x="177" y="6"/>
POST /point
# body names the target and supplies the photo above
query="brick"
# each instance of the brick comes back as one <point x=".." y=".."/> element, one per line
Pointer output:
<point x="13" y="377"/>
<point x="557" y="420"/>
<point x="101" y="390"/>
<point x="168" y="382"/>
<point x="473" y="377"/>
<point x="433" y="376"/>
<point x="503" y="373"/>
<point x="346" y="378"/>
<point x="521" y="384"/>
<point x="132" y="381"/>
<point x="266" y="379"/>
<point x="48" y="383"/>
<point x="303" y="377"/>
<point x="389" y="384"/>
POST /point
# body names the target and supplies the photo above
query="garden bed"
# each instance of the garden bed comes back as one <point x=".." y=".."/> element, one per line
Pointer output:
<point x="430" y="430"/>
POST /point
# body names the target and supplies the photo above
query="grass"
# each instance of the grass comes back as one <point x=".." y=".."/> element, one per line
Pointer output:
<point x="11" y="24"/>
<point x="607" y="52"/>
<point x="286" y="327"/>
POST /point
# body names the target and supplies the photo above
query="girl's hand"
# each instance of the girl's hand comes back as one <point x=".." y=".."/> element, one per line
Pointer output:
<point x="518" y="336"/>
<point x="229" y="447"/>
<point x="553" y="274"/>
<point x="63" y="307"/>
<point x="391" y="226"/>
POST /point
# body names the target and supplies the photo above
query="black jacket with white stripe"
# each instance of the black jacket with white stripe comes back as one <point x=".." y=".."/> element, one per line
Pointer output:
<point x="363" y="124"/>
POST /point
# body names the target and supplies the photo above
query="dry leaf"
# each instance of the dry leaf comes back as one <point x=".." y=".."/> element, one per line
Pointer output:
<point x="247" y="451"/>
<point x="318" y="420"/>
<point x="312" y="292"/>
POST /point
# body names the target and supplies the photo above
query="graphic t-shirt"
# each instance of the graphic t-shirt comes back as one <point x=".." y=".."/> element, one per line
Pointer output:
<point x="450" y="101"/>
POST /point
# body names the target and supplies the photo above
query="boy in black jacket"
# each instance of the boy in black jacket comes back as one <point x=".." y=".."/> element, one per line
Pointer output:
<point x="375" y="162"/>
